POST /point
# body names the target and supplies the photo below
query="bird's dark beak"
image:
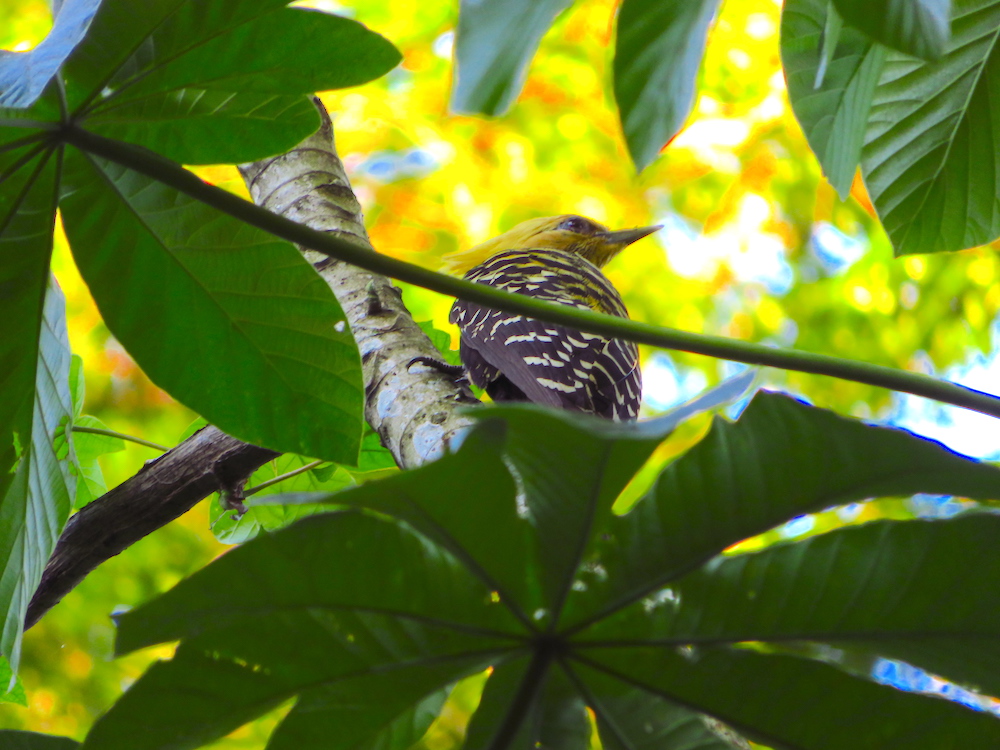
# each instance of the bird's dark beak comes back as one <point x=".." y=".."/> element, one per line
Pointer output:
<point x="625" y="237"/>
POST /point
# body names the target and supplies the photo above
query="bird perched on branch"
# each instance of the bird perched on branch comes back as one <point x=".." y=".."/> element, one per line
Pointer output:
<point x="557" y="259"/>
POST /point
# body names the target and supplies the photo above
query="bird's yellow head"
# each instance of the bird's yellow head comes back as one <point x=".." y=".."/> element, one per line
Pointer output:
<point x="575" y="234"/>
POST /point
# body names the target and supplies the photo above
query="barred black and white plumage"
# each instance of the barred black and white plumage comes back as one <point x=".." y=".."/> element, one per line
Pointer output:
<point x="521" y="359"/>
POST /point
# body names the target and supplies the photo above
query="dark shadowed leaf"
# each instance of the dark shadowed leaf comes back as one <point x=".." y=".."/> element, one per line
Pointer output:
<point x="881" y="589"/>
<point x="356" y="676"/>
<point x="916" y="27"/>
<point x="781" y="459"/>
<point x="524" y="707"/>
<point x="27" y="217"/>
<point x="495" y="42"/>
<point x="784" y="701"/>
<point x="11" y="739"/>
<point x="658" y="52"/>
<point x="217" y="313"/>
<point x="629" y="718"/>
<point x="382" y="606"/>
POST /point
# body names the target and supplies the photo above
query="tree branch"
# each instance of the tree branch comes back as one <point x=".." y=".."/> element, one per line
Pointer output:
<point x="411" y="406"/>
<point x="588" y="321"/>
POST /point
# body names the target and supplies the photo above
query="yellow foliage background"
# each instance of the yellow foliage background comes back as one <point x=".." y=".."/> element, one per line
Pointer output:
<point x="741" y="194"/>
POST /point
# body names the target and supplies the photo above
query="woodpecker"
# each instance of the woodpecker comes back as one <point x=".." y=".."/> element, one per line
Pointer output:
<point x="514" y="358"/>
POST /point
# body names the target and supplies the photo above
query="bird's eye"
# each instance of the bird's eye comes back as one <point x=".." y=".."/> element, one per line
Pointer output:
<point x="578" y="224"/>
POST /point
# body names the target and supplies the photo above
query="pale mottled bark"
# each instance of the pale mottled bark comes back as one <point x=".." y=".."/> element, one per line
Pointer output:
<point x="412" y="406"/>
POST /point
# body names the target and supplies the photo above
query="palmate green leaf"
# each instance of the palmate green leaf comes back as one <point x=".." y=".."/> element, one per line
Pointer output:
<point x="530" y="557"/>
<point x="925" y="592"/>
<point x="785" y="701"/>
<point x="334" y="605"/>
<point x="228" y="320"/>
<point x="524" y="708"/>
<point x="831" y="95"/>
<point x="494" y="44"/>
<point x="916" y="27"/>
<point x="632" y="719"/>
<point x="37" y="501"/>
<point x="931" y="150"/>
<point x="658" y="51"/>
<point x="27" y="217"/>
<point x="356" y="563"/>
<point x="440" y="583"/>
<point x="24" y="75"/>
<point x="220" y="81"/>
<point x="381" y="711"/>
<point x="357" y="676"/>
<point x="12" y="739"/>
<point x="781" y="459"/>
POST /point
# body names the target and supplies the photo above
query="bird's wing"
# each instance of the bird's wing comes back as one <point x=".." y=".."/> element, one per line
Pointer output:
<point x="544" y="360"/>
<point x="551" y="364"/>
<point x="618" y="381"/>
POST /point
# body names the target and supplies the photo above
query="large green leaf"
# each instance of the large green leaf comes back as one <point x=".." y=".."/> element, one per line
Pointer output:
<point x="785" y="701"/>
<point x="37" y="501"/>
<point x="567" y="471"/>
<point x="781" y="459"/>
<point x="216" y="81"/>
<point x="916" y="27"/>
<point x="12" y="739"/>
<point x="356" y="676"/>
<point x="524" y="708"/>
<point x="931" y="154"/>
<point x="357" y="563"/>
<point x="495" y="42"/>
<point x="433" y="575"/>
<point x="879" y="589"/>
<point x="228" y="320"/>
<point x="831" y="94"/>
<point x="629" y="718"/>
<point x="377" y="610"/>
<point x="658" y="52"/>
<point x="27" y="217"/>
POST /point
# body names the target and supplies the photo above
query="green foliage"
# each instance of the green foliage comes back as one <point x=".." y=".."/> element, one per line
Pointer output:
<point x="188" y="77"/>
<point x="15" y="740"/>
<point x="14" y="692"/>
<point x="916" y="27"/>
<point x="659" y="50"/>
<point x="412" y="587"/>
<point x="915" y="127"/>
<point x="88" y="446"/>
<point x="505" y="554"/>
<point x="494" y="44"/>
<point x="252" y="306"/>
<point x="42" y="485"/>
<point x="199" y="288"/>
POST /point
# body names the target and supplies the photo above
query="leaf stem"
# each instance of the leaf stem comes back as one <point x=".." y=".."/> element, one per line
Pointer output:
<point x="121" y="435"/>
<point x="282" y="477"/>
<point x="173" y="175"/>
